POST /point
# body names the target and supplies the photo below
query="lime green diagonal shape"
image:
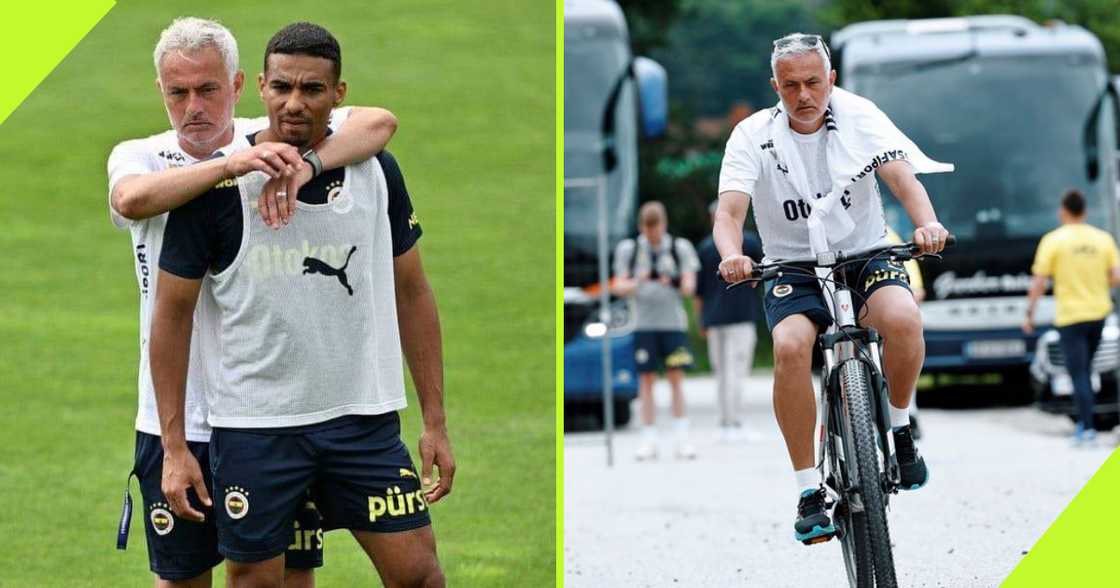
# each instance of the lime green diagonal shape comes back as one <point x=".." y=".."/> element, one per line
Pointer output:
<point x="1080" y="548"/>
<point x="37" y="36"/>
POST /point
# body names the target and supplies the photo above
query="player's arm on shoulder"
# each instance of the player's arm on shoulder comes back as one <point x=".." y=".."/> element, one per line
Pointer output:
<point x="365" y="132"/>
<point x="137" y="192"/>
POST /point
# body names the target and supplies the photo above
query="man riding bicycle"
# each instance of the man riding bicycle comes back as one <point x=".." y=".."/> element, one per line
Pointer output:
<point x="803" y="163"/>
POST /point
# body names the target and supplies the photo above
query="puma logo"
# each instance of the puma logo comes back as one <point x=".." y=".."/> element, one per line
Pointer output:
<point x="318" y="266"/>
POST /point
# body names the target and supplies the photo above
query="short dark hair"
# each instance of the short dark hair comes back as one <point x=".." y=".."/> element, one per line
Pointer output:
<point x="304" y="38"/>
<point x="1074" y="202"/>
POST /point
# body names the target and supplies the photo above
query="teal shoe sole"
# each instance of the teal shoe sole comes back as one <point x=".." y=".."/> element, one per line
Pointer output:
<point x="817" y="531"/>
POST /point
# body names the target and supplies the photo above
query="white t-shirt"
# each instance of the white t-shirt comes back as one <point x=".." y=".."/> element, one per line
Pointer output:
<point x="152" y="154"/>
<point x="658" y="306"/>
<point x="750" y="165"/>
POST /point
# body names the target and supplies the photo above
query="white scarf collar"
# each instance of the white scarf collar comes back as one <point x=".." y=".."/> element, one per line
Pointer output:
<point x="860" y="139"/>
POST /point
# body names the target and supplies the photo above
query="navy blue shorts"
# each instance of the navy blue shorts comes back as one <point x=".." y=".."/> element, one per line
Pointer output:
<point x="356" y="468"/>
<point x="795" y="293"/>
<point x="656" y="349"/>
<point x="179" y="549"/>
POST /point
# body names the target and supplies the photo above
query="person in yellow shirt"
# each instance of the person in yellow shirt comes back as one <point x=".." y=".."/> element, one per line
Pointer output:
<point x="1084" y="264"/>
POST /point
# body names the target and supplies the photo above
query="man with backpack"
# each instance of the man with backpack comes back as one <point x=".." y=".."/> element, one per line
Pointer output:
<point x="658" y="271"/>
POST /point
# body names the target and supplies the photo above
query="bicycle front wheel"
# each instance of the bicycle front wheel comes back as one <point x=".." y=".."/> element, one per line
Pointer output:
<point x="855" y="383"/>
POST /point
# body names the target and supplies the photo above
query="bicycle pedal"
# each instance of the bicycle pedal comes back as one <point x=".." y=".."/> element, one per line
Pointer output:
<point x="819" y="539"/>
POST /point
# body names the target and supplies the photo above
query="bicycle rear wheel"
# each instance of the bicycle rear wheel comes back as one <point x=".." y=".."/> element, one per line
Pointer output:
<point x="855" y="384"/>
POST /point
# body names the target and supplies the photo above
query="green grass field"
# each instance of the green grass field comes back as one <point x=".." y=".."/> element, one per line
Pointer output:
<point x="474" y="87"/>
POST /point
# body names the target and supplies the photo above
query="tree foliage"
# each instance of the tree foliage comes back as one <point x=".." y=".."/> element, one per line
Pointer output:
<point x="717" y="55"/>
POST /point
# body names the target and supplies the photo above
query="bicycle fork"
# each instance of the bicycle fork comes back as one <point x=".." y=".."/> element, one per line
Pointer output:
<point x="841" y="344"/>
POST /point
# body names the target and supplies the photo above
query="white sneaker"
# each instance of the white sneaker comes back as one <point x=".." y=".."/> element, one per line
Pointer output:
<point x="726" y="434"/>
<point x="685" y="450"/>
<point x="748" y="434"/>
<point x="646" y="452"/>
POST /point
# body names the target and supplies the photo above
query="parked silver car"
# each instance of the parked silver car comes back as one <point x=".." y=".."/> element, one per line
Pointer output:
<point x="1054" y="388"/>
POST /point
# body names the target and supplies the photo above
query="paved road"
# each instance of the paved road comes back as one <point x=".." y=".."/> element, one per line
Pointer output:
<point x="998" y="478"/>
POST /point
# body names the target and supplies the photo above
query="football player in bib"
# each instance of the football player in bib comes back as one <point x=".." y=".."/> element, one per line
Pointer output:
<point x="315" y="321"/>
<point x="199" y="80"/>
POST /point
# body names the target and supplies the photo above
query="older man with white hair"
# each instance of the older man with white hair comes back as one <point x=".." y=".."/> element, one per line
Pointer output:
<point x="790" y="160"/>
<point x="200" y="82"/>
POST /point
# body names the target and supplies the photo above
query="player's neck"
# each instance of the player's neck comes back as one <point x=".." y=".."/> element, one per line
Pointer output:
<point x="806" y="128"/>
<point x="201" y="152"/>
<point x="270" y="135"/>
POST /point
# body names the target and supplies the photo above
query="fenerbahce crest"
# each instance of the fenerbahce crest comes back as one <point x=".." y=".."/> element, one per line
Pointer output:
<point x="237" y="502"/>
<point x="162" y="519"/>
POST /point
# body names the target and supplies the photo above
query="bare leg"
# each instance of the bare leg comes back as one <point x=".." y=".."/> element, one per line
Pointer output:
<point x="794" y="404"/>
<point x="404" y="560"/>
<point x="645" y="396"/>
<point x="299" y="578"/>
<point x="259" y="574"/>
<point x="676" y="382"/>
<point x="202" y="580"/>
<point x="893" y="312"/>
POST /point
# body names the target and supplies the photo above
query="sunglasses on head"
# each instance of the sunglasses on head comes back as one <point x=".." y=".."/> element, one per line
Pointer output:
<point x="804" y="41"/>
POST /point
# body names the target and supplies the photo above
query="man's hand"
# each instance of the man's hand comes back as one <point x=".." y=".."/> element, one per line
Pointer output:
<point x="274" y="159"/>
<point x="1028" y="326"/>
<point x="930" y="237"/>
<point x="735" y="268"/>
<point x="277" y="202"/>
<point x="435" y="448"/>
<point x="180" y="472"/>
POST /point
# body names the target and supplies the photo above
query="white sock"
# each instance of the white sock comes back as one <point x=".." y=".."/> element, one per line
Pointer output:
<point x="649" y="434"/>
<point x="900" y="417"/>
<point x="807" y="479"/>
<point x="680" y="427"/>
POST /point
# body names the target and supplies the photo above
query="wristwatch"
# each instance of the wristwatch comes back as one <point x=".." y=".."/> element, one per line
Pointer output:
<point x="313" y="160"/>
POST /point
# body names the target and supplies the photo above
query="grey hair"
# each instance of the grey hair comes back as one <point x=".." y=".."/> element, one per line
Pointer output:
<point x="783" y="51"/>
<point x="192" y="34"/>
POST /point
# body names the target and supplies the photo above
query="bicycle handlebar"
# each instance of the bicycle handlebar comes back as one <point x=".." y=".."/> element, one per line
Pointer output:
<point x="903" y="252"/>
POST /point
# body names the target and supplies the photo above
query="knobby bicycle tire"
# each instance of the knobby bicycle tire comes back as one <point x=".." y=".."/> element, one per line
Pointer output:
<point x="854" y="540"/>
<point x="855" y="382"/>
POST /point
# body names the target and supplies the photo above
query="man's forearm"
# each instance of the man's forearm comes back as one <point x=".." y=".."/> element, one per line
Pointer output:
<point x="169" y="354"/>
<point x="727" y="228"/>
<point x="363" y="134"/>
<point x="688" y="284"/>
<point x="144" y="196"/>
<point x="418" y="320"/>
<point x="1036" y="290"/>
<point x="909" y="191"/>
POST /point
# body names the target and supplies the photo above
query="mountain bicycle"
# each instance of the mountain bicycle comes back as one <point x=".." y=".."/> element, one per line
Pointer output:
<point x="856" y="448"/>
